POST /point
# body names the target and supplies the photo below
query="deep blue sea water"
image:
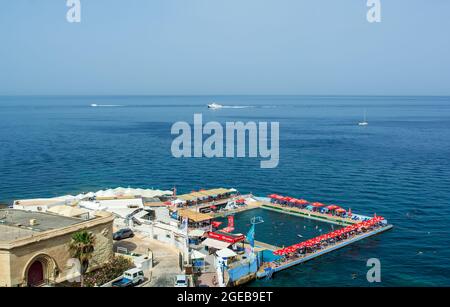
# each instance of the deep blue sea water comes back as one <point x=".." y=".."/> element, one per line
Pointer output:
<point x="398" y="167"/>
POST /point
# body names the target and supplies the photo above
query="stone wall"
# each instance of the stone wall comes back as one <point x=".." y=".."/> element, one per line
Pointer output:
<point x="54" y="251"/>
<point x="4" y="269"/>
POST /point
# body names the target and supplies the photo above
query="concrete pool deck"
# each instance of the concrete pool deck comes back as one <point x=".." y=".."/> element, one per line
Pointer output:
<point x="290" y="263"/>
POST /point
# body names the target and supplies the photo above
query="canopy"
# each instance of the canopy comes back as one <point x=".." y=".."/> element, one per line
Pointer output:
<point x="196" y="233"/>
<point x="333" y="207"/>
<point x="225" y="253"/>
<point x="301" y="201"/>
<point x="216" y="224"/>
<point x="215" y="243"/>
<point x="317" y="204"/>
<point x="197" y="255"/>
<point x="340" y="210"/>
<point x="194" y="216"/>
<point x="333" y="234"/>
<point x="276" y="196"/>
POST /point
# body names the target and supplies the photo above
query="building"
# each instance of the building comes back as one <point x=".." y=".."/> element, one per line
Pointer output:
<point x="196" y="220"/>
<point x="70" y="211"/>
<point x="42" y="204"/>
<point x="205" y="201"/>
<point x="34" y="246"/>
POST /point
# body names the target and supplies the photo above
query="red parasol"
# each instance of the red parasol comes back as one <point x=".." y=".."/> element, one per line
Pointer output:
<point x="317" y="204"/>
<point x="333" y="207"/>
<point x="216" y="224"/>
<point x="301" y="201"/>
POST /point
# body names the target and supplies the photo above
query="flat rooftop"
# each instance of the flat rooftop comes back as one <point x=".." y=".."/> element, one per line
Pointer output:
<point x="39" y="201"/>
<point x="15" y="224"/>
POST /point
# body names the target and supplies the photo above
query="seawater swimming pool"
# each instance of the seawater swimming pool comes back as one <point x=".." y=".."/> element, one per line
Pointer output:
<point x="396" y="167"/>
<point x="280" y="229"/>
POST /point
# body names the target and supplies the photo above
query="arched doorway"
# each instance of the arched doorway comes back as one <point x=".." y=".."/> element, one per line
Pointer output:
<point x="41" y="269"/>
<point x="35" y="274"/>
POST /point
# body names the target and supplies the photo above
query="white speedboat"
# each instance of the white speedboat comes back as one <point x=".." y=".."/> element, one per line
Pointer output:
<point x="94" y="105"/>
<point x="214" y="106"/>
<point x="364" y="122"/>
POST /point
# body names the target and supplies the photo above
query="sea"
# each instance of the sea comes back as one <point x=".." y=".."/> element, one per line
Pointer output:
<point x="397" y="167"/>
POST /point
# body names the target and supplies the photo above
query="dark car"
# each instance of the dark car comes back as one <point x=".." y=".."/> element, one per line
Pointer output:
<point x="123" y="234"/>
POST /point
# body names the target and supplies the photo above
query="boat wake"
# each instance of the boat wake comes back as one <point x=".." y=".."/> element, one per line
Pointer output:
<point x="94" y="105"/>
<point x="236" y="107"/>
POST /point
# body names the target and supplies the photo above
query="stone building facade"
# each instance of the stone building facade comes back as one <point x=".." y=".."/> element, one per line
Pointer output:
<point x="37" y="253"/>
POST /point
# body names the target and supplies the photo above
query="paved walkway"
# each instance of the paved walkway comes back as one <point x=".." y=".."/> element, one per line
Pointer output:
<point x="207" y="280"/>
<point x="165" y="259"/>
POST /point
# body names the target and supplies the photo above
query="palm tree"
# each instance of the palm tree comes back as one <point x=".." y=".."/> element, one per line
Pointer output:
<point x="81" y="247"/>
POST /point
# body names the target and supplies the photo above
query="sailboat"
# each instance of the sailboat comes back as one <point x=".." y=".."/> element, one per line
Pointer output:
<point x="364" y="122"/>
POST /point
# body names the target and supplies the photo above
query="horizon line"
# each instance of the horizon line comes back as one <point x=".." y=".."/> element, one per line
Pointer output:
<point x="220" y="95"/>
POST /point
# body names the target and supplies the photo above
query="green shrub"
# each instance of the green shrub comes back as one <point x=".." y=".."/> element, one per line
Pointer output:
<point x="108" y="272"/>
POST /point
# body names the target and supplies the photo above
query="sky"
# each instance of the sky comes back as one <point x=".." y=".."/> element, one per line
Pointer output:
<point x="224" y="47"/>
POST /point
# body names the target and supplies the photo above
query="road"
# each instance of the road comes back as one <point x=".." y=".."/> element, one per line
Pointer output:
<point x="165" y="259"/>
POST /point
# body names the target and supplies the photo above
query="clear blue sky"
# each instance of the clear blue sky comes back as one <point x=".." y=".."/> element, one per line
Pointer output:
<point x="322" y="47"/>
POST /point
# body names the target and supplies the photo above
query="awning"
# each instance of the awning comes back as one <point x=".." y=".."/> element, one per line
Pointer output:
<point x="194" y="216"/>
<point x="333" y="207"/>
<point x="197" y="255"/>
<point x="141" y="214"/>
<point x="216" y="224"/>
<point x="225" y="253"/>
<point x="196" y="233"/>
<point x="187" y="197"/>
<point x="302" y="201"/>
<point x="215" y="243"/>
<point x="317" y="204"/>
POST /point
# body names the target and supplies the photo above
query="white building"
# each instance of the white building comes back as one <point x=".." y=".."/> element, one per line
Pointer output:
<point x="42" y="204"/>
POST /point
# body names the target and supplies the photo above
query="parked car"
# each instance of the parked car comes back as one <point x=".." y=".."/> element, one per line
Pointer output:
<point x="181" y="281"/>
<point x="123" y="234"/>
<point x="130" y="278"/>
